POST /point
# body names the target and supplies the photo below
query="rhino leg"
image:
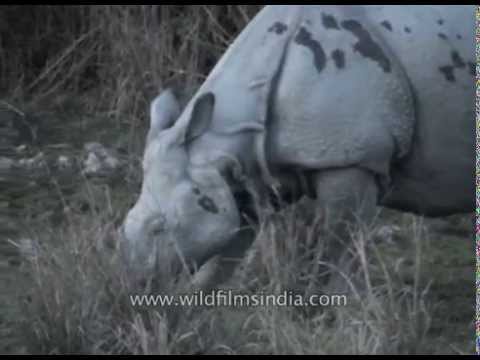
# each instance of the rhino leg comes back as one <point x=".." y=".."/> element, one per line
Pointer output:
<point x="345" y="196"/>
<point x="346" y="192"/>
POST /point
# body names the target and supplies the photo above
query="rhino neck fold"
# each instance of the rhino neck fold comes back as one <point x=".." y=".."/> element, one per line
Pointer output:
<point x="243" y="102"/>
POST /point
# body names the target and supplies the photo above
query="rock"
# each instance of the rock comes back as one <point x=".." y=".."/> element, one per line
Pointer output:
<point x="386" y="233"/>
<point x="6" y="164"/>
<point x="35" y="163"/>
<point x="99" y="161"/>
<point x="64" y="162"/>
<point x="21" y="149"/>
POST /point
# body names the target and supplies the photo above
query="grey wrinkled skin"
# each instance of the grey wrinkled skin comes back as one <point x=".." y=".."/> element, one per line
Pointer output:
<point x="369" y="103"/>
<point x="183" y="209"/>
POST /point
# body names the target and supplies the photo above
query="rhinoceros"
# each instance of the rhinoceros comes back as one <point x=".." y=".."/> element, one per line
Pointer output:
<point x="355" y="106"/>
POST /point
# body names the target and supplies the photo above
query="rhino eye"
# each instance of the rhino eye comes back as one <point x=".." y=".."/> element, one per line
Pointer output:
<point x="157" y="226"/>
<point x="157" y="231"/>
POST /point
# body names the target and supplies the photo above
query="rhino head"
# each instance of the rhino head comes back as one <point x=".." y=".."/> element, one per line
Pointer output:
<point x="185" y="212"/>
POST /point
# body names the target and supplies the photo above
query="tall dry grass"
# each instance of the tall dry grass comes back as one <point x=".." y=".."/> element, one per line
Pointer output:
<point x="73" y="297"/>
<point x="114" y="57"/>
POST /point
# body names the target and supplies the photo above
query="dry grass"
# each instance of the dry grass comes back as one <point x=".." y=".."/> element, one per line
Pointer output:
<point x="75" y="299"/>
<point x="115" y="57"/>
<point x="68" y="293"/>
<point x="108" y="61"/>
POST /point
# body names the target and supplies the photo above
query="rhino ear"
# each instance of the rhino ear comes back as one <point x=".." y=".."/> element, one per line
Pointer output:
<point x="164" y="111"/>
<point x="201" y="118"/>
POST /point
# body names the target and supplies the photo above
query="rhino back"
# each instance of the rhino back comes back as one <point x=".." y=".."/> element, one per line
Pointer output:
<point x="342" y="98"/>
<point x="386" y="88"/>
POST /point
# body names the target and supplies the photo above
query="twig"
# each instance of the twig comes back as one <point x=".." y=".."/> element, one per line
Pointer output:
<point x="12" y="108"/>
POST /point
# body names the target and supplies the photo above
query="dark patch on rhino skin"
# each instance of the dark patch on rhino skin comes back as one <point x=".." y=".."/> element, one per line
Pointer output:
<point x="278" y="28"/>
<point x="329" y="22"/>
<point x="447" y="71"/>
<point x="442" y="36"/>
<point x="196" y="191"/>
<point x="471" y="68"/>
<point x="458" y="63"/>
<point x="304" y="38"/>
<point x="457" y="60"/>
<point x="440" y="21"/>
<point x="386" y="24"/>
<point x="459" y="37"/>
<point x="407" y="29"/>
<point x="338" y="57"/>
<point x="208" y="204"/>
<point x="366" y="45"/>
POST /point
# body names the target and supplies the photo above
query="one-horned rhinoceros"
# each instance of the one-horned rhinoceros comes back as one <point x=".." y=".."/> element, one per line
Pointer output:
<point x="345" y="103"/>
